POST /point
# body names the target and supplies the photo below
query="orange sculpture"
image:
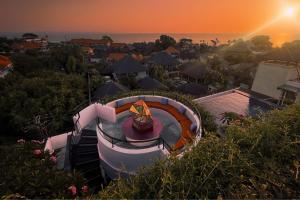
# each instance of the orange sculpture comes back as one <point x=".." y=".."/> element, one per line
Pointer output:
<point x="142" y="118"/>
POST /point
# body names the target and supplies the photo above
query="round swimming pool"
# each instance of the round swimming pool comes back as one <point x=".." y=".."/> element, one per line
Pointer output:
<point x="170" y="133"/>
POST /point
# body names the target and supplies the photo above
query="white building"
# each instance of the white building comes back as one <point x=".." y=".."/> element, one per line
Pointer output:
<point x="279" y="80"/>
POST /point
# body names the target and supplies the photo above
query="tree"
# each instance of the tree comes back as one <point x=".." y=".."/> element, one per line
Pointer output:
<point x="25" y="64"/>
<point x="71" y="64"/>
<point x="157" y="72"/>
<point x="238" y="52"/>
<point x="185" y="42"/>
<point x="261" y="43"/>
<point x="164" y="42"/>
<point x="29" y="36"/>
<point x="45" y="93"/>
<point x="106" y="37"/>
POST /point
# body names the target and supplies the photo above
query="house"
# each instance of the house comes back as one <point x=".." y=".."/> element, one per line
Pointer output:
<point x="120" y="47"/>
<point x="193" y="89"/>
<point x="129" y="66"/>
<point x="5" y="66"/>
<point x="109" y="88"/>
<point x="87" y="50"/>
<point x="172" y="51"/>
<point x="97" y="57"/>
<point x="278" y="80"/>
<point x="137" y="56"/>
<point x="194" y="71"/>
<point x="164" y="59"/>
<point x="90" y="42"/>
<point x="24" y="46"/>
<point x="113" y="57"/>
<point x="148" y="83"/>
<point x="234" y="101"/>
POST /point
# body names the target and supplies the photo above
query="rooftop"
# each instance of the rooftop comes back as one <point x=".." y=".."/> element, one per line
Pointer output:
<point x="127" y="65"/>
<point x="149" y="83"/>
<point x="108" y="89"/>
<point x="280" y="63"/>
<point x="235" y="101"/>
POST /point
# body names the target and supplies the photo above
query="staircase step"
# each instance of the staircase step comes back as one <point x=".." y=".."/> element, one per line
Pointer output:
<point x="88" y="141"/>
<point x="84" y="158"/>
<point x="90" y="170"/>
<point x="87" y="162"/>
<point x="82" y="153"/>
<point x="87" y="132"/>
<point x="88" y="166"/>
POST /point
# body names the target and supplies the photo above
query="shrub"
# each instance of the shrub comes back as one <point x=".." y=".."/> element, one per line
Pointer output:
<point x="259" y="159"/>
<point x="27" y="171"/>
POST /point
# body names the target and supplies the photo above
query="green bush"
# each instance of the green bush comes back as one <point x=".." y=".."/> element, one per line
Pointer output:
<point x="34" y="176"/>
<point x="260" y="158"/>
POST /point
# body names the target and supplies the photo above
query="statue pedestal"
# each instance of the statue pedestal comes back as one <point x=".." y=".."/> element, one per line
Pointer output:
<point x="134" y="135"/>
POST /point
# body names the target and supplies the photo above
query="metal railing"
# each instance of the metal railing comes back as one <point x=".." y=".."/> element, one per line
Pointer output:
<point x="172" y="95"/>
<point x="113" y="140"/>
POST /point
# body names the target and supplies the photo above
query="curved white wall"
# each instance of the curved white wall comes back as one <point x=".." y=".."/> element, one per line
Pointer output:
<point x="126" y="161"/>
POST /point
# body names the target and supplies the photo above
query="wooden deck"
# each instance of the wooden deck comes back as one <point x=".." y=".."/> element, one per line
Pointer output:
<point x="185" y="123"/>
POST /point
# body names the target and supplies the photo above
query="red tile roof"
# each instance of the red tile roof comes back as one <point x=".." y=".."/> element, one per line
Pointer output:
<point x="4" y="62"/>
<point x="90" y="42"/>
<point x="172" y="50"/>
<point x="137" y="56"/>
<point x="116" y="56"/>
<point x="117" y="45"/>
<point x="27" y="45"/>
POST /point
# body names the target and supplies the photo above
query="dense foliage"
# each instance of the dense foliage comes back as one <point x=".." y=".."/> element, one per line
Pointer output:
<point x="49" y="94"/>
<point x="26" y="171"/>
<point x="258" y="159"/>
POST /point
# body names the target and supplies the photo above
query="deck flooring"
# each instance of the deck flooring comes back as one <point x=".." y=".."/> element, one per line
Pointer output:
<point x="185" y="123"/>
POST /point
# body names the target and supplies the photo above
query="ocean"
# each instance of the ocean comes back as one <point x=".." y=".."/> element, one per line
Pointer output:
<point x="151" y="37"/>
<point x="130" y="37"/>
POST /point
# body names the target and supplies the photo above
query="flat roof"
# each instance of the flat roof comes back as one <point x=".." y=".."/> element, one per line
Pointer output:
<point x="279" y="63"/>
<point x="235" y="101"/>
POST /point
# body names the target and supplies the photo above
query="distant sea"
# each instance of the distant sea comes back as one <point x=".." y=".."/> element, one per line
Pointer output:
<point x="277" y="39"/>
<point x="129" y="37"/>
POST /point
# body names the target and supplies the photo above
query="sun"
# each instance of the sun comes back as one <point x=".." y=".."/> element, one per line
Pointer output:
<point x="289" y="12"/>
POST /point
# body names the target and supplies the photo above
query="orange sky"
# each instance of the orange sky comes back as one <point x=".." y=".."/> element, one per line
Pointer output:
<point x="142" y="16"/>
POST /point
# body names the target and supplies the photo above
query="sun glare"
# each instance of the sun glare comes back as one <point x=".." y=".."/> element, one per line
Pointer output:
<point x="289" y="12"/>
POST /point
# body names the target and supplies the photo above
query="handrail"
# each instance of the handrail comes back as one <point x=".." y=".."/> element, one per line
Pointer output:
<point x="161" y="140"/>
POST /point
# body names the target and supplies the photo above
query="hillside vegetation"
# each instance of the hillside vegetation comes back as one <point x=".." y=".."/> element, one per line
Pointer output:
<point x="260" y="158"/>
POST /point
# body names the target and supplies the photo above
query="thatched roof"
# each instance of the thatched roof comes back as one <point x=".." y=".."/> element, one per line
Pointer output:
<point x="163" y="58"/>
<point x="194" y="89"/>
<point x="128" y="65"/>
<point x="149" y="83"/>
<point x="196" y="70"/>
<point x="109" y="89"/>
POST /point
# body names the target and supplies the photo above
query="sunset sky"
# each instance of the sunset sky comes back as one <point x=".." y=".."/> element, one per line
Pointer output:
<point x="146" y="16"/>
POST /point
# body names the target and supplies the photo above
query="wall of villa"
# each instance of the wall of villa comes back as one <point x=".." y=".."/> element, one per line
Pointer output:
<point x="92" y="112"/>
<point x="56" y="142"/>
<point x="269" y="76"/>
<point x="114" y="159"/>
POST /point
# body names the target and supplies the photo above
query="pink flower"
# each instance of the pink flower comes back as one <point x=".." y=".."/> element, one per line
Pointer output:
<point x="85" y="189"/>
<point x="53" y="159"/>
<point x="73" y="190"/>
<point x="37" y="152"/>
<point x="21" y="141"/>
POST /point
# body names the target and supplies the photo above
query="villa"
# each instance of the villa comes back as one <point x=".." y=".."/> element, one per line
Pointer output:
<point x="279" y="80"/>
<point x="129" y="67"/>
<point x="120" y="136"/>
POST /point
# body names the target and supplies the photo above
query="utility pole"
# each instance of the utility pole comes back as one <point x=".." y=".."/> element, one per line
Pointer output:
<point x="89" y="87"/>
